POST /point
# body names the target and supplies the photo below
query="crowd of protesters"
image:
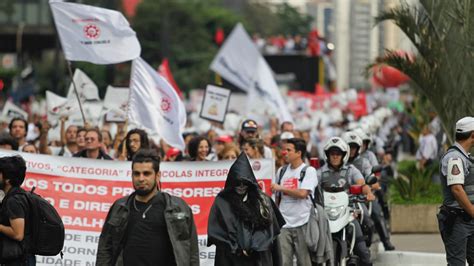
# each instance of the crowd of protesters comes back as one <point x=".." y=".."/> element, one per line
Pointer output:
<point x="371" y="141"/>
<point x="312" y="44"/>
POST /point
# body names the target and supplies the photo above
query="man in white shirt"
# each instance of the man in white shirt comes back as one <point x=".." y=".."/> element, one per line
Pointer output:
<point x="428" y="149"/>
<point x="293" y="190"/>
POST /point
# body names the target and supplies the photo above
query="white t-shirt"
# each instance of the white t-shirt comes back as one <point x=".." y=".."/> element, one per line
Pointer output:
<point x="296" y="211"/>
<point x="428" y="148"/>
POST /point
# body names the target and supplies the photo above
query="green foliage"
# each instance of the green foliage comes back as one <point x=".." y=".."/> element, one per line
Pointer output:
<point x="442" y="32"/>
<point x="420" y="113"/>
<point x="182" y="31"/>
<point x="260" y="18"/>
<point x="432" y="196"/>
<point x="6" y="7"/>
<point x="414" y="185"/>
<point x="292" y="21"/>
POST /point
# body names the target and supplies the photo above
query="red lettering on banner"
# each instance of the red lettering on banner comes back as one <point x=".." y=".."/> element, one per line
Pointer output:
<point x="82" y="203"/>
<point x="89" y="170"/>
<point x="177" y="174"/>
<point x="38" y="165"/>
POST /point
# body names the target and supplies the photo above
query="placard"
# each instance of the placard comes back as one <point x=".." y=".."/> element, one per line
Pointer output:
<point x="215" y="103"/>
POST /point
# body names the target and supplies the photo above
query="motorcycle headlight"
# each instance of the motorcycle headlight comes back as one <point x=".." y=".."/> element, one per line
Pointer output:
<point x="334" y="213"/>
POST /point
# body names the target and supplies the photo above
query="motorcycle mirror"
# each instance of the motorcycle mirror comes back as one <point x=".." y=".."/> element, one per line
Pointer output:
<point x="371" y="179"/>
<point x="355" y="190"/>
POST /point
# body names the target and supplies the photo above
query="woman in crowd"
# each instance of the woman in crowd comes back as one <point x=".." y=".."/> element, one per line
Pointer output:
<point x="199" y="148"/>
<point x="254" y="148"/>
<point x="30" y="148"/>
<point x="230" y="152"/>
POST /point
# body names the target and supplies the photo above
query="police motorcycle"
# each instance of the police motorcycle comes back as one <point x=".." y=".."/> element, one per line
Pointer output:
<point x="341" y="209"/>
<point x="355" y="142"/>
<point x="342" y="204"/>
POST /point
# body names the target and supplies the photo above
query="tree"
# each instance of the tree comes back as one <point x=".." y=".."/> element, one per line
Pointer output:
<point x="292" y="21"/>
<point x="442" y="71"/>
<point x="183" y="32"/>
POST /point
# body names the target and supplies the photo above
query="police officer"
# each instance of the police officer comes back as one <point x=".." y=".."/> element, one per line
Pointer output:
<point x="365" y="152"/>
<point x="455" y="218"/>
<point x="363" y="165"/>
<point x="336" y="172"/>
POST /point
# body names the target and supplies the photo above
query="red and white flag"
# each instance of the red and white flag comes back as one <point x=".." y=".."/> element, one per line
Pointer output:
<point x="86" y="88"/>
<point x="154" y="105"/>
<point x="165" y="71"/>
<point x="93" y="34"/>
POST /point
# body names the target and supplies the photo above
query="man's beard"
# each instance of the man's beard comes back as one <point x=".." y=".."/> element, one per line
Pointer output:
<point x="2" y="185"/>
<point x="144" y="192"/>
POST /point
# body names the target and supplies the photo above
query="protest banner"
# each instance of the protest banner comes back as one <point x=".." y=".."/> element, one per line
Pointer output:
<point x="83" y="190"/>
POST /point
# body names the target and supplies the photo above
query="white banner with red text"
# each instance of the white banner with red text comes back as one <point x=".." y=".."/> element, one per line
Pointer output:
<point x="83" y="190"/>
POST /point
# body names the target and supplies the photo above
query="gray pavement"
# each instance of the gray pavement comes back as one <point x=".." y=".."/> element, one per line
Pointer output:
<point x="430" y="243"/>
<point x="412" y="249"/>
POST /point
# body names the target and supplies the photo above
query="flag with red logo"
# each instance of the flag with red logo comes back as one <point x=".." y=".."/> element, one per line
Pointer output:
<point x="93" y="34"/>
<point x="58" y="106"/>
<point x="154" y="105"/>
<point x="86" y="88"/>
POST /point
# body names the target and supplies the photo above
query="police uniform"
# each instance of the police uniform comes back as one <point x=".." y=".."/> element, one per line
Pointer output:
<point x="378" y="219"/>
<point x="345" y="177"/>
<point x="455" y="224"/>
<point x="370" y="155"/>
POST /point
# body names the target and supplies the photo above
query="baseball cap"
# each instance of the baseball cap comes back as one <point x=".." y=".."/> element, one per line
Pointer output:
<point x="224" y="138"/>
<point x="465" y="124"/>
<point x="172" y="152"/>
<point x="249" y="125"/>
<point x="286" y="135"/>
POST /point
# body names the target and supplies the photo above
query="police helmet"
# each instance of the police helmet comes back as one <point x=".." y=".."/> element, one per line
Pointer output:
<point x="337" y="143"/>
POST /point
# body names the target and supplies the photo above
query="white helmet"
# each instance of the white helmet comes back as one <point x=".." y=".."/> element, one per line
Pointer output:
<point x="336" y="142"/>
<point x="352" y="137"/>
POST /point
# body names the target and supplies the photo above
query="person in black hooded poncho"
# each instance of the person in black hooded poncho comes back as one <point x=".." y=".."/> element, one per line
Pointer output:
<point x="244" y="222"/>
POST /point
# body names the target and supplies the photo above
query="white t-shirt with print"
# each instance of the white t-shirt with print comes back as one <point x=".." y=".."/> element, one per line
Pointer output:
<point x="294" y="210"/>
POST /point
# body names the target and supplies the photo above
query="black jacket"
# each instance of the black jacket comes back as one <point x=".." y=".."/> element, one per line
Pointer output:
<point x="179" y="222"/>
<point x="237" y="242"/>
<point x="102" y="155"/>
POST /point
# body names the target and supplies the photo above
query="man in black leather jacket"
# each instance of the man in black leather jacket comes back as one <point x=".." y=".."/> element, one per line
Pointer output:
<point x="149" y="227"/>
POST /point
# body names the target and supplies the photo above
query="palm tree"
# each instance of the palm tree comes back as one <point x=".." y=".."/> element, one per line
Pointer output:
<point x="443" y="70"/>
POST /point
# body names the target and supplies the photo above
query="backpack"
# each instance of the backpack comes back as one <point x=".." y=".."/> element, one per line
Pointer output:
<point x="317" y="197"/>
<point x="46" y="226"/>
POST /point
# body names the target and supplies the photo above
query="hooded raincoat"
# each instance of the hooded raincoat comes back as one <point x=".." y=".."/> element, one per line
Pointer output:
<point x="238" y="242"/>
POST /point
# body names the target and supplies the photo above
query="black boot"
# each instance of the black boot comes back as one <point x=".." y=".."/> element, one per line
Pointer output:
<point x="388" y="245"/>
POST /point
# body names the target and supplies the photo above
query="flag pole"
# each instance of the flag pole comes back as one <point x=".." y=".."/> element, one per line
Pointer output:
<point x="75" y="91"/>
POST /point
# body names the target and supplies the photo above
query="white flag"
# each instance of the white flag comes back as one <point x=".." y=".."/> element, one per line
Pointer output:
<point x="239" y="62"/>
<point x="116" y="100"/>
<point x="11" y="111"/>
<point x="93" y="34"/>
<point x="86" y="88"/>
<point x="155" y="105"/>
<point x="58" y="106"/>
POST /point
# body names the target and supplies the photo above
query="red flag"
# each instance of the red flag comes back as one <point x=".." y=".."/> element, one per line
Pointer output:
<point x="130" y="7"/>
<point x="165" y="71"/>
<point x="219" y="36"/>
